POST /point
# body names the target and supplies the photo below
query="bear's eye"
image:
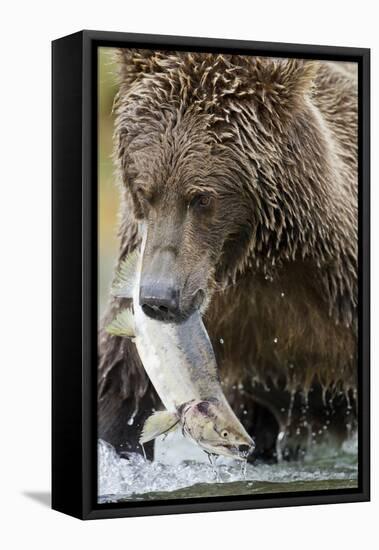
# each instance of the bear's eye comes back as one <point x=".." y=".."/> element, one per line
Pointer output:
<point x="202" y="201"/>
<point x="224" y="433"/>
<point x="144" y="195"/>
<point x="140" y="192"/>
<point x="142" y="201"/>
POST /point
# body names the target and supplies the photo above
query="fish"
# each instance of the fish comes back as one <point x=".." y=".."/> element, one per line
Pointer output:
<point x="180" y="362"/>
<point x="208" y="423"/>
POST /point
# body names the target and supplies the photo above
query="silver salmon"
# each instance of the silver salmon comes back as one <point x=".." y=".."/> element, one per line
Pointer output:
<point x="180" y="362"/>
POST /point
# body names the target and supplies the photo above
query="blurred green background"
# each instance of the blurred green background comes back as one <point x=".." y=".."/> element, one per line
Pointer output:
<point x="108" y="194"/>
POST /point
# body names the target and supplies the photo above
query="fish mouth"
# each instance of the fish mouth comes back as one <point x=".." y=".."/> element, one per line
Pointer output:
<point x="232" y="451"/>
<point x="237" y="453"/>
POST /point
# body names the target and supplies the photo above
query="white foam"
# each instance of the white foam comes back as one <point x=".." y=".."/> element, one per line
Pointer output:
<point x="178" y="464"/>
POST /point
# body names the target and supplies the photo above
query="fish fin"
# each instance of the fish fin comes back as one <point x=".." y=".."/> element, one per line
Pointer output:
<point x="159" y="423"/>
<point x="122" y="325"/>
<point x="125" y="276"/>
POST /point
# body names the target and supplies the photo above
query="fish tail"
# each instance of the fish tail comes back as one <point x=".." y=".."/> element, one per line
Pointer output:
<point x="122" y="325"/>
<point x="125" y="276"/>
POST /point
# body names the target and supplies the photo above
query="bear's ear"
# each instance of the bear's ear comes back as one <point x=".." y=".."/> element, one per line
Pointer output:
<point x="281" y="84"/>
<point x="134" y="63"/>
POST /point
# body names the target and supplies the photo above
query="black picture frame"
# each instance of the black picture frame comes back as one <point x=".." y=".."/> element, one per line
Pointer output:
<point x="74" y="272"/>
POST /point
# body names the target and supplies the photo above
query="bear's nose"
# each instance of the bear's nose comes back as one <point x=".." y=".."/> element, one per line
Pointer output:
<point x="159" y="301"/>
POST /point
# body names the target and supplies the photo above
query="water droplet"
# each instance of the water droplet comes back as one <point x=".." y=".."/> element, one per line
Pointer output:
<point x="132" y="417"/>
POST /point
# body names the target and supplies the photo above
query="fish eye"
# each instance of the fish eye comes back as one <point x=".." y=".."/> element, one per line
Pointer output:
<point x="224" y="433"/>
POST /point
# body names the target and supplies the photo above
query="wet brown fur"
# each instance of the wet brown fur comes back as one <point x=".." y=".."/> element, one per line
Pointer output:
<point x="276" y="142"/>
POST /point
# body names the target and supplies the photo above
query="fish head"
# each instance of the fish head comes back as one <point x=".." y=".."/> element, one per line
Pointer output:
<point x="213" y="426"/>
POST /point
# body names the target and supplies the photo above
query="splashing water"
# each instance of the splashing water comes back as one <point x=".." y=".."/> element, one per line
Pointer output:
<point x="134" y="478"/>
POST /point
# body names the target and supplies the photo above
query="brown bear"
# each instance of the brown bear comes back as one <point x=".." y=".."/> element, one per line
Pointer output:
<point x="244" y="170"/>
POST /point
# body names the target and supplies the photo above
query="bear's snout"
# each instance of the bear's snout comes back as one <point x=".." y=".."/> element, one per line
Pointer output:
<point x="160" y="300"/>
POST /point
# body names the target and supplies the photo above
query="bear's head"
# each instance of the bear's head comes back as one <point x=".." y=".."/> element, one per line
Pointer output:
<point x="225" y="162"/>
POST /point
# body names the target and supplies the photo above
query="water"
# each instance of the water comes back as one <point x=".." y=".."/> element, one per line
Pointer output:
<point x="136" y="479"/>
